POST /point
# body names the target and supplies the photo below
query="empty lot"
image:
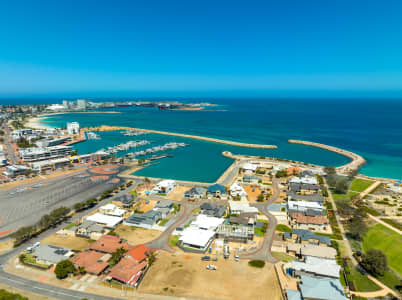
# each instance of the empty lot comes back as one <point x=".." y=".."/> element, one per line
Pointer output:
<point x="185" y="275"/>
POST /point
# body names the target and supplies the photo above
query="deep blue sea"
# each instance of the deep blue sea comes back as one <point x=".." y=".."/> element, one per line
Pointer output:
<point x="371" y="128"/>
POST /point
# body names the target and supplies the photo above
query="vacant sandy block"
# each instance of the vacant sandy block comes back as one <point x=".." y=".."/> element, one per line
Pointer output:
<point x="71" y="242"/>
<point x="178" y="193"/>
<point x="185" y="275"/>
<point x="136" y="235"/>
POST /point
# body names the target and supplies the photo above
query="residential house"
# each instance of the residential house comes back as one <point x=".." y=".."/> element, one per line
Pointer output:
<point x="306" y="250"/>
<point x="126" y="200"/>
<point x="109" y="244"/>
<point x="313" y="197"/>
<point x="164" y="207"/>
<point x="50" y="254"/>
<point x="90" y="230"/>
<point x="237" y="207"/>
<point x="236" y="190"/>
<point x="140" y="253"/>
<point x="111" y="209"/>
<point x="249" y="168"/>
<point x="313" y="288"/>
<point x="316" y="266"/>
<point x="93" y="262"/>
<point x="316" y="222"/>
<point x="145" y="220"/>
<point x="128" y="271"/>
<point x="235" y="233"/>
<point x="217" y="191"/>
<point x="107" y="221"/>
<point x="213" y="210"/>
<point x="164" y="187"/>
<point x="195" y="193"/>
<point x="303" y="236"/>
<point x="251" y="179"/>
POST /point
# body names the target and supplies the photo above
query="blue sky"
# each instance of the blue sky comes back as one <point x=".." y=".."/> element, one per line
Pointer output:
<point x="225" y="48"/>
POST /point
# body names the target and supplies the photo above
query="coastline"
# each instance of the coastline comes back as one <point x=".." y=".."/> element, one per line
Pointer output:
<point x="356" y="160"/>
<point x="36" y="123"/>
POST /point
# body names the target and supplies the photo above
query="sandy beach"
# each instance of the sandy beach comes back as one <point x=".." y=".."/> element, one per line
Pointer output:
<point x="36" y="123"/>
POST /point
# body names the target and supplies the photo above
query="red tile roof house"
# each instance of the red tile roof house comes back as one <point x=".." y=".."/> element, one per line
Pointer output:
<point x="92" y="261"/>
<point x="109" y="244"/>
<point x="132" y="267"/>
<point x="301" y="221"/>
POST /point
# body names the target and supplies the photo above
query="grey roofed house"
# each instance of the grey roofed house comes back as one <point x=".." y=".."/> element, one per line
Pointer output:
<point x="317" y="266"/>
<point x="213" y="210"/>
<point x="149" y="218"/>
<point x="321" y="288"/>
<point x="164" y="204"/>
<point x="251" y="178"/>
<point x="307" y="212"/>
<point x="195" y="192"/>
<point x="126" y="199"/>
<point x="293" y="295"/>
<point x="87" y="227"/>
<point x="296" y="187"/>
<point x="305" y="235"/>
<point x="52" y="254"/>
<point x="316" y="197"/>
<point x="307" y="173"/>
<point x="216" y="189"/>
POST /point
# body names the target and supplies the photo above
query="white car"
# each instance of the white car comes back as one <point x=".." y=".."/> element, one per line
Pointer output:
<point x="211" y="267"/>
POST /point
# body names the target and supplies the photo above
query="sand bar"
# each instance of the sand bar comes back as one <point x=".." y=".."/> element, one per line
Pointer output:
<point x="354" y="165"/>
<point x="238" y="144"/>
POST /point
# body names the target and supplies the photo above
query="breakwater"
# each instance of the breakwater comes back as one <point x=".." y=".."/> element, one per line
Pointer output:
<point x="356" y="160"/>
<point x="232" y="143"/>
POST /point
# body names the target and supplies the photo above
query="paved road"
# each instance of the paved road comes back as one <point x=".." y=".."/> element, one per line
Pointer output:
<point x="264" y="251"/>
<point x="11" y="155"/>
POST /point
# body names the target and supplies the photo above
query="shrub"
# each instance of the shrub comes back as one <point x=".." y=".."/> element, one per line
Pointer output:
<point x="64" y="268"/>
<point x="256" y="263"/>
<point x="375" y="262"/>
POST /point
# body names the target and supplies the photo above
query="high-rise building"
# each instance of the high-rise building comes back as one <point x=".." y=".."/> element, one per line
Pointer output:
<point x="82" y="104"/>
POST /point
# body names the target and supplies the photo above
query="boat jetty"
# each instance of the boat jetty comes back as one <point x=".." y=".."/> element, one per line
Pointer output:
<point x="133" y="132"/>
<point x="125" y="146"/>
<point x="92" y="136"/>
<point x="168" y="146"/>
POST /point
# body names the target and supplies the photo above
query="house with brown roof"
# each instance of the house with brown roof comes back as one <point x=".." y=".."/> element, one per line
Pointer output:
<point x="128" y="271"/>
<point x="93" y="262"/>
<point x="109" y="244"/>
<point x="311" y="222"/>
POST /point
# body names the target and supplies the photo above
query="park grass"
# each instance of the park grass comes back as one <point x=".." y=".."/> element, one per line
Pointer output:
<point x="283" y="228"/>
<point x="344" y="197"/>
<point x="360" y="281"/>
<point x="381" y="238"/>
<point x="282" y="256"/>
<point x="393" y="223"/>
<point x="360" y="185"/>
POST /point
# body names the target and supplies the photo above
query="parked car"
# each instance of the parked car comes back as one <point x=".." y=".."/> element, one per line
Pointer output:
<point x="211" y="267"/>
<point x="236" y="258"/>
<point x="215" y="259"/>
<point x="206" y="258"/>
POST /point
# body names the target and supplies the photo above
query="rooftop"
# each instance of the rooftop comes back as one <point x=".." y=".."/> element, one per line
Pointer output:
<point x="91" y="261"/>
<point x="127" y="270"/>
<point x="321" y="288"/>
<point x="109" y="221"/>
<point x="109" y="244"/>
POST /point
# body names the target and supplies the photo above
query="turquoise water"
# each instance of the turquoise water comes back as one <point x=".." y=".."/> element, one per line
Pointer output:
<point x="369" y="128"/>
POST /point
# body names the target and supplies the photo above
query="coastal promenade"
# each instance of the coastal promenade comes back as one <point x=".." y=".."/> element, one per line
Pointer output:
<point x="354" y="165"/>
<point x="196" y="137"/>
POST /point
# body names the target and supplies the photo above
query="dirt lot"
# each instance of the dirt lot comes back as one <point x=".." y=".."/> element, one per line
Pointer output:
<point x="252" y="192"/>
<point x="135" y="235"/>
<point x="144" y="207"/>
<point x="6" y="246"/>
<point x="184" y="274"/>
<point x="71" y="242"/>
<point x="30" y="296"/>
<point x="178" y="193"/>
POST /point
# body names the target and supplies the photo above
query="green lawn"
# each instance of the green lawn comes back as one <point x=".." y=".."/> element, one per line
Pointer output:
<point x="344" y="197"/>
<point x="173" y="240"/>
<point x="389" y="242"/>
<point x="163" y="222"/>
<point x="282" y="256"/>
<point x="360" y="281"/>
<point x="283" y="228"/>
<point x="360" y="185"/>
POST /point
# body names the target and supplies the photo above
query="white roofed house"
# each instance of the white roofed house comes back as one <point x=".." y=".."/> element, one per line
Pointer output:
<point x="164" y="187"/>
<point x="236" y="190"/>
<point x="249" y="168"/>
<point x="112" y="210"/>
<point x="237" y="207"/>
<point x="104" y="220"/>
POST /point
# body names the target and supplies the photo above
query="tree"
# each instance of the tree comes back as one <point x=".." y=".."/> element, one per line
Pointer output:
<point x="116" y="256"/>
<point x="151" y="258"/>
<point x="5" y="295"/>
<point x="375" y="262"/>
<point x="341" y="186"/>
<point x="260" y="197"/>
<point x="357" y="227"/>
<point x="329" y="170"/>
<point x="64" y="268"/>
<point x="74" y="153"/>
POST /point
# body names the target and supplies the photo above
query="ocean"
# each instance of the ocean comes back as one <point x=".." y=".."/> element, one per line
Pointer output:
<point x="370" y="128"/>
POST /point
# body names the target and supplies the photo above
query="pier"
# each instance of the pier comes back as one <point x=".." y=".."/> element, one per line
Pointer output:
<point x="354" y="165"/>
<point x="238" y="144"/>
